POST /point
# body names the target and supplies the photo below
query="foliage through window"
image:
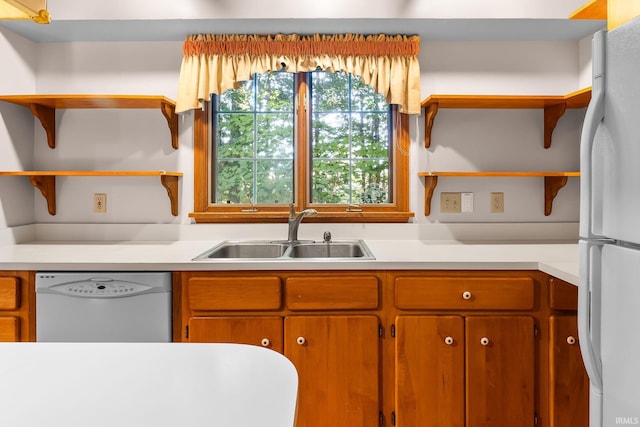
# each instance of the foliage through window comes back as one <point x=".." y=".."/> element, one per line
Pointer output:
<point x="254" y="141"/>
<point x="320" y="139"/>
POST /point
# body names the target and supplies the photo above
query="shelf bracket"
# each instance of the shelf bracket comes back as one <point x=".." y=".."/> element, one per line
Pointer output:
<point x="552" y="184"/>
<point x="552" y="114"/>
<point x="430" y="183"/>
<point x="429" y="116"/>
<point x="47" y="117"/>
<point x="47" y="186"/>
<point x="169" y="112"/>
<point x="170" y="183"/>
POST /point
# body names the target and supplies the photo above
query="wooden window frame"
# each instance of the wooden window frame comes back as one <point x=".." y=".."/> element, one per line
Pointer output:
<point x="206" y="212"/>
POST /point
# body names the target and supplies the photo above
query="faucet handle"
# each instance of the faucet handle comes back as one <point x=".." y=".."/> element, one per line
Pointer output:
<point x="327" y="236"/>
<point x="292" y="211"/>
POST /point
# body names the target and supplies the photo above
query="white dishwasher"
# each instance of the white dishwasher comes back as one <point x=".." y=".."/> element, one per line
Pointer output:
<point x="103" y="306"/>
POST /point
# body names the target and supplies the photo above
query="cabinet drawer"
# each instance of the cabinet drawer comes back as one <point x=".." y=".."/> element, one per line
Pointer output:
<point x="562" y="295"/>
<point x="474" y="293"/>
<point x="332" y="293"/>
<point x="9" y="293"/>
<point x="9" y="329"/>
<point x="235" y="293"/>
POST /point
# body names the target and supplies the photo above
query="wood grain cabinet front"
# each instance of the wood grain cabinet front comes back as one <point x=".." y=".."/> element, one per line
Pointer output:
<point x="404" y="348"/>
<point x="476" y="371"/>
<point x="17" y="303"/>
<point x="235" y="293"/>
<point x="464" y="293"/>
<point x="332" y="293"/>
<point x="328" y="327"/>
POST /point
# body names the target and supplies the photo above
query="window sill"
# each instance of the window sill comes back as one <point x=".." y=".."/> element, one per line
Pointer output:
<point x="321" y="217"/>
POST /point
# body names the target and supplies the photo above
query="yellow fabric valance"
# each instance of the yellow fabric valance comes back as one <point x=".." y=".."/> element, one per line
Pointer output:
<point x="214" y="63"/>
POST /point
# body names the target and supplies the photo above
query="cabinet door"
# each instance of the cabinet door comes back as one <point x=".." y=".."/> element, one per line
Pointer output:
<point x="337" y="358"/>
<point x="568" y="380"/>
<point x="429" y="371"/>
<point x="500" y="371"/>
<point x="263" y="331"/>
<point x="9" y="329"/>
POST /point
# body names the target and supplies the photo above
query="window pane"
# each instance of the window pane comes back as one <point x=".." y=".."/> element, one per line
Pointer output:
<point x="253" y="142"/>
<point x="234" y="136"/>
<point x="275" y="180"/>
<point x="240" y="99"/>
<point x="330" y="135"/>
<point x="235" y="181"/>
<point x="331" y="182"/>
<point x="330" y="91"/>
<point x="350" y="141"/>
<point x="371" y="181"/>
<point x="275" y="135"/>
<point x="370" y="135"/>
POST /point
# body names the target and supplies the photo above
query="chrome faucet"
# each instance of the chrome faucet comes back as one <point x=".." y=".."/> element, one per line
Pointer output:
<point x="295" y="220"/>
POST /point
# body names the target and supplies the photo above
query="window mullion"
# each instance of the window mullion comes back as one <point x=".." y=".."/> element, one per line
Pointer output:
<point x="302" y="145"/>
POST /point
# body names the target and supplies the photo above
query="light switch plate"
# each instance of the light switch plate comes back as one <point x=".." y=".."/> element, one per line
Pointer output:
<point x="467" y="202"/>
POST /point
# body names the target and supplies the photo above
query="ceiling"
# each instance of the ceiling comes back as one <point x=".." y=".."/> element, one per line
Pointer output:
<point x="427" y="29"/>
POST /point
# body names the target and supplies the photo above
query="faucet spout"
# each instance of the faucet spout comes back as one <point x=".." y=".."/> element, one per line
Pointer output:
<point x="295" y="220"/>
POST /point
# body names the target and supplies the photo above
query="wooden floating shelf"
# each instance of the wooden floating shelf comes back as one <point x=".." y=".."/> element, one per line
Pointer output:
<point x="45" y="181"/>
<point x="553" y="182"/>
<point x="44" y="108"/>
<point x="554" y="107"/>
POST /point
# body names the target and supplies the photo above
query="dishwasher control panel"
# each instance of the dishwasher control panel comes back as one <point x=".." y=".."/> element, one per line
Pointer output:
<point x="93" y="286"/>
<point x="100" y="289"/>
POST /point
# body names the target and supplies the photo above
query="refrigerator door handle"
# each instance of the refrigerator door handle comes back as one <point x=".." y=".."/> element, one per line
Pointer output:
<point x="593" y="118"/>
<point x="588" y="310"/>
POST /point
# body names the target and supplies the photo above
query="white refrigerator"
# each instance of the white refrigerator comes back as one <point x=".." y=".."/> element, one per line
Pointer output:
<point x="609" y="277"/>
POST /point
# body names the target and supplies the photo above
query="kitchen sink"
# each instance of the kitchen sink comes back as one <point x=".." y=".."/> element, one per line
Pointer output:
<point x="245" y="250"/>
<point x="282" y="250"/>
<point x="328" y="250"/>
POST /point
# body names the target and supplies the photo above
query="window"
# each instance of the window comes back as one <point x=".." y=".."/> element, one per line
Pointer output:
<point x="319" y="140"/>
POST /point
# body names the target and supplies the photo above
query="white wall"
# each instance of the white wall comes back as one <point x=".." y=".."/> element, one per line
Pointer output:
<point x="139" y="139"/>
<point x="113" y="139"/>
<point x="462" y="139"/>
<point x="17" y="75"/>
<point x="499" y="140"/>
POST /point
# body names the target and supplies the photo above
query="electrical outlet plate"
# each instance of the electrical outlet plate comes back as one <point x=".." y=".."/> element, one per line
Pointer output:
<point x="450" y="203"/>
<point x="497" y="202"/>
<point x="100" y="203"/>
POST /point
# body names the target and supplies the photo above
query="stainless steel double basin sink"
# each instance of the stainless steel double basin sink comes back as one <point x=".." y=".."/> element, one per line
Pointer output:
<point x="282" y="250"/>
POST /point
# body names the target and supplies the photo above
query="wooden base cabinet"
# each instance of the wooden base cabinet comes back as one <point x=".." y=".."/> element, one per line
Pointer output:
<point x="404" y="348"/>
<point x="337" y="358"/>
<point x="17" y="300"/>
<point x="325" y="323"/>
<point x="338" y="362"/>
<point x="429" y="368"/>
<point x="453" y="371"/>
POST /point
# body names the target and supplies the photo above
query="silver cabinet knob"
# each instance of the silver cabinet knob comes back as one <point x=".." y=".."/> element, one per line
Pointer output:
<point x="484" y="341"/>
<point x="448" y="340"/>
<point x="301" y="340"/>
<point x="466" y="295"/>
<point x="571" y="340"/>
<point x="265" y="342"/>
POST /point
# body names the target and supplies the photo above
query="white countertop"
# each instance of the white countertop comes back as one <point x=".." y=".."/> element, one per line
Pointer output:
<point x="559" y="260"/>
